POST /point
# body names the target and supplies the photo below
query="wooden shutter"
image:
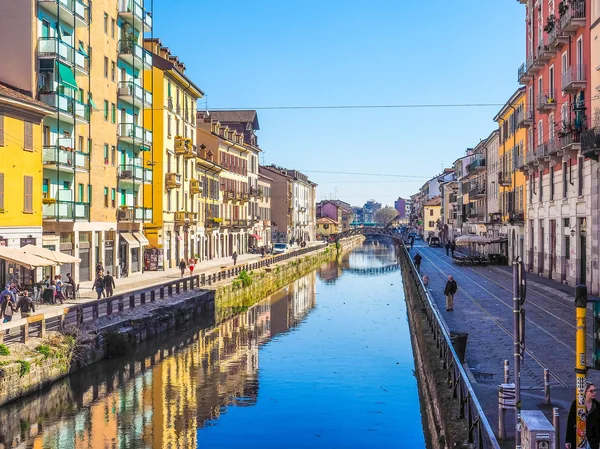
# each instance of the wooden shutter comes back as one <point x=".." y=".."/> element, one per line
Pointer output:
<point x="28" y="197"/>
<point x="2" y="192"/>
<point x="28" y="136"/>
<point x="1" y="130"/>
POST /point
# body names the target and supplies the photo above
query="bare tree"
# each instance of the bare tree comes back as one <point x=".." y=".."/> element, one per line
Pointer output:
<point x="385" y="215"/>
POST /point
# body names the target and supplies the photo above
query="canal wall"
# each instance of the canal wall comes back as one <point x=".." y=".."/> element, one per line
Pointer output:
<point x="29" y="369"/>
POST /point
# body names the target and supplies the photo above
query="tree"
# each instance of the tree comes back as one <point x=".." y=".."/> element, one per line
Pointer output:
<point x="385" y="215"/>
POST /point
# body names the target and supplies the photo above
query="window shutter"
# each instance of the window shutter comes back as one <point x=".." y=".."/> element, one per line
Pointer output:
<point x="1" y="130"/>
<point x="28" y="136"/>
<point x="2" y="191"/>
<point x="28" y="199"/>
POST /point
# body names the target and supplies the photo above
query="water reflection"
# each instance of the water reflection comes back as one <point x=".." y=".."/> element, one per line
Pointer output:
<point x="162" y="398"/>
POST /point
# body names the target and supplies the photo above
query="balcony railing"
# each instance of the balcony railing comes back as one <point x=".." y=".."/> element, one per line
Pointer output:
<point x="71" y="108"/>
<point x="184" y="146"/>
<point x="195" y="186"/>
<point x="53" y="47"/>
<point x="590" y="143"/>
<point x="504" y="179"/>
<point x="134" y="213"/>
<point x="239" y="223"/>
<point x="73" y="12"/>
<point x="546" y="100"/>
<point x="180" y="217"/>
<point x="475" y="165"/>
<point x="574" y="16"/>
<point x="135" y="133"/>
<point x="131" y="92"/>
<point x="132" y="12"/>
<point x="134" y="54"/>
<point x="66" y="210"/>
<point x="477" y="191"/>
<point x="574" y="79"/>
<point x="172" y="180"/>
<point x="135" y="173"/>
<point x="516" y="216"/>
<point x="54" y="155"/>
<point x="525" y="116"/>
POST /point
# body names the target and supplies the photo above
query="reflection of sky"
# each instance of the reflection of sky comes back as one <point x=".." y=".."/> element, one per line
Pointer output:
<point x="344" y="378"/>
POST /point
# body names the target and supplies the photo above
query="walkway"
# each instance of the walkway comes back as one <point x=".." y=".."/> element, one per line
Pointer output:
<point x="483" y="308"/>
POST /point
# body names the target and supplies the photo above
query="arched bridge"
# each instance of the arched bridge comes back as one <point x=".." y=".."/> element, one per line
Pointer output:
<point x="383" y="232"/>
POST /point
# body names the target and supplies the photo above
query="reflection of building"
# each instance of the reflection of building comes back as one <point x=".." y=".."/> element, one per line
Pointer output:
<point x="291" y="305"/>
<point x="330" y="271"/>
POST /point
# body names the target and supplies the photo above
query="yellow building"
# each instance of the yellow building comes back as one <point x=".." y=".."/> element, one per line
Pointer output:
<point x="514" y="120"/>
<point x="326" y="226"/>
<point x="432" y="215"/>
<point x="174" y="193"/>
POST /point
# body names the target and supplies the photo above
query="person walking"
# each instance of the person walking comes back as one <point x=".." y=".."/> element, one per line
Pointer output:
<point x="109" y="284"/>
<point x="71" y="282"/>
<point x="8" y="307"/>
<point x="59" y="287"/>
<point x="447" y="246"/>
<point x="7" y="291"/>
<point x="99" y="269"/>
<point x="99" y="285"/>
<point x="191" y="263"/>
<point x="234" y="257"/>
<point x="412" y="242"/>
<point x="49" y="293"/>
<point x="182" y="267"/>
<point x="25" y="305"/>
<point x="417" y="259"/>
<point x="592" y="422"/>
<point x="262" y="251"/>
<point x="452" y="248"/>
<point x="450" y="291"/>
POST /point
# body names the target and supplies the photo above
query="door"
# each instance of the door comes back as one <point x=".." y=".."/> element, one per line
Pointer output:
<point x="552" y="261"/>
<point x="579" y="60"/>
<point x="541" y="252"/>
<point x="67" y="268"/>
<point x="84" y="265"/>
<point x="135" y="260"/>
<point x="45" y="28"/>
<point x="109" y="257"/>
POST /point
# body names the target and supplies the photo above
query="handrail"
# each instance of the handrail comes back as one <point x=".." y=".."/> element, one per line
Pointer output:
<point x="470" y="408"/>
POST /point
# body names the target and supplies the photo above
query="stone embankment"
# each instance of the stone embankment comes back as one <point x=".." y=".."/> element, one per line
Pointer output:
<point x="29" y="367"/>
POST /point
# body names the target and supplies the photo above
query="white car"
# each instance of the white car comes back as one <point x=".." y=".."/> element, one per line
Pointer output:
<point x="280" y="248"/>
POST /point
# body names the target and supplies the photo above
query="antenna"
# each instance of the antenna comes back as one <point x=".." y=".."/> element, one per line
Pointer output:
<point x="206" y="104"/>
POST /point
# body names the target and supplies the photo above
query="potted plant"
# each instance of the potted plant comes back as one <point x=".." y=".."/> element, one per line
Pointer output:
<point x="196" y="257"/>
<point x="563" y="7"/>
<point x="550" y="23"/>
<point x="48" y="201"/>
<point x="123" y="207"/>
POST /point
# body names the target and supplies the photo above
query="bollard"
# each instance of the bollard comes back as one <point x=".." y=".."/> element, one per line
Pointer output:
<point x="556" y="424"/>
<point x="546" y="386"/>
<point x="580" y="364"/>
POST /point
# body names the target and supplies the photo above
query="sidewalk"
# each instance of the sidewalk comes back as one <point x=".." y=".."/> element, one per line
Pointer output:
<point x="483" y="308"/>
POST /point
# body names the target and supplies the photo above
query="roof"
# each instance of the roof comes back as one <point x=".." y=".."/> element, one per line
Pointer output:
<point x="341" y="204"/>
<point x="164" y="65"/>
<point x="437" y="201"/>
<point x="13" y="93"/>
<point x="513" y="99"/>
<point x="249" y="116"/>
<point x="326" y="220"/>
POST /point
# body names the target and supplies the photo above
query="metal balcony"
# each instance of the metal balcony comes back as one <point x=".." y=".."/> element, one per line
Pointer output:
<point x="180" y="217"/>
<point x="546" y="101"/>
<point x="574" y="79"/>
<point x="516" y="216"/>
<point x="195" y="186"/>
<point x="66" y="160"/>
<point x="573" y="18"/>
<point x="135" y="134"/>
<point x="184" y="147"/>
<point x="523" y="76"/>
<point x="590" y="143"/>
<point x="54" y="48"/>
<point x="134" y="174"/>
<point x="132" y="93"/>
<point x="525" y="116"/>
<point x="69" y="109"/>
<point x="73" y="12"/>
<point x="557" y="37"/>
<point x="133" y="13"/>
<point x="477" y="192"/>
<point x="545" y="52"/>
<point x="135" y="55"/>
<point x="504" y="179"/>
<point x="476" y="165"/>
<point x="66" y="210"/>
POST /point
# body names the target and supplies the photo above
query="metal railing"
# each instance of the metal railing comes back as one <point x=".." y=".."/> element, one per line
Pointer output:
<point x="480" y="433"/>
<point x="573" y="74"/>
<point x="66" y="210"/>
<point x="55" y="155"/>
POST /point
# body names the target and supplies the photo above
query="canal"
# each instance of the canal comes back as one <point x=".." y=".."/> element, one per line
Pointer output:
<point x="326" y="362"/>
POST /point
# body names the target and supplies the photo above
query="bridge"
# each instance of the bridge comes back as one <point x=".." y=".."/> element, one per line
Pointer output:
<point x="378" y="231"/>
<point x="372" y="271"/>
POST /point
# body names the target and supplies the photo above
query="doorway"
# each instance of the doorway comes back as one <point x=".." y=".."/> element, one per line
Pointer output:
<point x="583" y="248"/>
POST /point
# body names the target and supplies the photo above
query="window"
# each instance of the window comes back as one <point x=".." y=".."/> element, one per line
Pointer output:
<point x="530" y="189"/>
<point x="1" y="192"/>
<point x="431" y="224"/>
<point x="80" y="145"/>
<point x="90" y="193"/>
<point x="112" y="71"/>
<point x="28" y="141"/>
<point x="567" y="247"/>
<point x="105" y="23"/>
<point x="580" y="176"/>
<point x="105" y="196"/>
<point x="106" y="110"/>
<point x="564" y="179"/>
<point x="89" y="146"/>
<point x="169" y="202"/>
<point x="105" y="67"/>
<point x="430" y="212"/>
<point x="169" y="126"/>
<point x="106" y="160"/>
<point x="80" y="193"/>
<point x="45" y="188"/>
<point x="541" y="186"/>
<point x="113" y="154"/>
<point x="113" y="113"/>
<point x="551" y="183"/>
<point x="112" y="28"/>
<point x="66" y="185"/>
<point x="113" y="198"/>
<point x="1" y="130"/>
<point x="28" y="197"/>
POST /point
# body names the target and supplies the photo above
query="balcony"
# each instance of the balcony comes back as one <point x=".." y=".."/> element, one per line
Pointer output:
<point x="476" y="166"/>
<point x="545" y="52"/>
<point x="452" y="198"/>
<point x="173" y="180"/>
<point x="184" y="147"/>
<point x="130" y="92"/>
<point x="191" y="217"/>
<point x="518" y="162"/>
<point x="551" y="147"/>
<point x="477" y="192"/>
<point x="573" y="18"/>
<point x="66" y="210"/>
<point x="546" y="101"/>
<point x="525" y="116"/>
<point x="180" y="218"/>
<point x="266" y="223"/>
<point x="212" y="224"/>
<point x="135" y="55"/>
<point x="54" y="48"/>
<point x="574" y="79"/>
<point x="56" y="157"/>
<point x="73" y="12"/>
<point x="495" y="217"/>
<point x="134" y="174"/>
<point x="516" y="216"/>
<point x="195" y="186"/>
<point x="82" y="63"/>
<point x="226" y="222"/>
<point x="69" y="109"/>
<point x="557" y="37"/>
<point x="523" y="73"/>
<point x="570" y="141"/>
<point x="229" y="195"/>
<point x="475" y="215"/>
<point x="504" y="179"/>
<point x="133" y="13"/>
<point x="590" y="143"/>
<point x="135" y="134"/>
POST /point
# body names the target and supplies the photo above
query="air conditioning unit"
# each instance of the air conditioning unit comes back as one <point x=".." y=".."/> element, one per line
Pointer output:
<point x="127" y="174"/>
<point x="124" y="90"/>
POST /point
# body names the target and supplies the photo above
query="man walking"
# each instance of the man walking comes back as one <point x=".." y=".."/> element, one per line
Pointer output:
<point x="452" y="248"/>
<point x="450" y="291"/>
<point x="182" y="267"/>
<point x="234" y="257"/>
<point x="25" y="305"/>
<point x="99" y="285"/>
<point x="417" y="260"/>
<point x="109" y="284"/>
<point x="447" y="248"/>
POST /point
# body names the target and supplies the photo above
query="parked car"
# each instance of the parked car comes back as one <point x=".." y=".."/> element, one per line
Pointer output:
<point x="280" y="248"/>
<point x="434" y="241"/>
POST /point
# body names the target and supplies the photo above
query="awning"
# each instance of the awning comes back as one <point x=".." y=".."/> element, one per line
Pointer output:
<point x="144" y="147"/>
<point x="141" y="238"/>
<point x="54" y="256"/>
<point x="81" y="49"/>
<point x="257" y="237"/>
<point x="478" y="239"/>
<point x="92" y="104"/>
<point x="131" y="241"/>
<point x="66" y="76"/>
<point x="29" y="261"/>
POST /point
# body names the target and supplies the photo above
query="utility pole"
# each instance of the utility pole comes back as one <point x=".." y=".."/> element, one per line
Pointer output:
<point x="517" y="350"/>
<point x="580" y="365"/>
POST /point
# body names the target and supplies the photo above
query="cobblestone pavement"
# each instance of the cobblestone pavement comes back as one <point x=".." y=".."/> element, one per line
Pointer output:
<point x="483" y="308"/>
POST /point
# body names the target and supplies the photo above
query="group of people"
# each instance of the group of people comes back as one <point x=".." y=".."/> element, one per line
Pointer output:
<point x="12" y="300"/>
<point x="55" y="289"/>
<point x="450" y="247"/>
<point x="104" y="284"/>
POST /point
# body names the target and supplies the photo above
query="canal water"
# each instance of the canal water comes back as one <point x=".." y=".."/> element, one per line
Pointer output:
<point x="324" y="363"/>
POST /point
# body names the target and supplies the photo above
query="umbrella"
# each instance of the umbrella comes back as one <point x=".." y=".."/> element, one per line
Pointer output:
<point x="55" y="256"/>
<point x="29" y="261"/>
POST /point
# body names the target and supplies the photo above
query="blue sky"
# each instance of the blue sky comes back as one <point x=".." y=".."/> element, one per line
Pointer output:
<point x="270" y="53"/>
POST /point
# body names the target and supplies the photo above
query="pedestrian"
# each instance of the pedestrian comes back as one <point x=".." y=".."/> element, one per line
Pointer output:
<point x="592" y="422"/>
<point x="49" y="293"/>
<point x="7" y="291"/>
<point x="99" y="285"/>
<point x="8" y="307"/>
<point x="450" y="291"/>
<point x="109" y="284"/>
<point x="425" y="281"/>
<point x="447" y="248"/>
<point x="59" y="287"/>
<point x="25" y="305"/>
<point x="262" y="251"/>
<point x="234" y="257"/>
<point x="417" y="259"/>
<point x="412" y="242"/>
<point x="71" y="282"/>
<point x="191" y="264"/>
<point x="182" y="267"/>
<point x="453" y="248"/>
<point x="47" y="281"/>
<point x="99" y="268"/>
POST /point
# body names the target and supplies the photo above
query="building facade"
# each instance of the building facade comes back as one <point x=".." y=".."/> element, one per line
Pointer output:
<point x="432" y="214"/>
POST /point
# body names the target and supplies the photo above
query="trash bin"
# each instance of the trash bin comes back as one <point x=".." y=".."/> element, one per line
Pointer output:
<point x="459" y="341"/>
